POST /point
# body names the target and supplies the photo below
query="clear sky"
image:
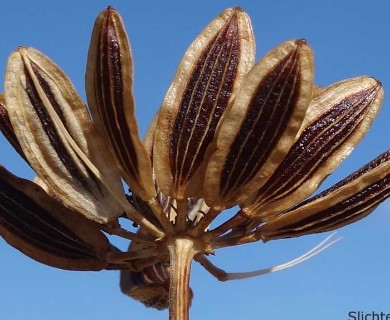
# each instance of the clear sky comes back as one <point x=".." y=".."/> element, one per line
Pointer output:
<point x="349" y="38"/>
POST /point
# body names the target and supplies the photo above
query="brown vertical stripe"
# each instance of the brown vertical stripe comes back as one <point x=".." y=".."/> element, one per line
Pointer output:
<point x="50" y="130"/>
<point x="268" y="113"/>
<point x="338" y="215"/>
<point x="204" y="100"/>
<point x="109" y="96"/>
<point x="316" y="144"/>
<point x="29" y="221"/>
<point x="385" y="156"/>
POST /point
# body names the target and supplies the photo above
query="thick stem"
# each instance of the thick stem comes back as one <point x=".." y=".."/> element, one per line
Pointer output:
<point x="182" y="252"/>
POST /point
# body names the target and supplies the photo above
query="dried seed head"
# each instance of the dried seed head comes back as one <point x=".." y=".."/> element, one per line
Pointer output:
<point x="208" y="76"/>
<point x="260" y="125"/>
<point x="228" y="132"/>
<point x="109" y="82"/>
<point x="335" y="122"/>
<point x="57" y="137"/>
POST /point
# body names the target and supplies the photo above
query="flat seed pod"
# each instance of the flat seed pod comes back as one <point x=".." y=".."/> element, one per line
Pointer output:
<point x="348" y="201"/>
<point x="149" y="286"/>
<point x="46" y="231"/>
<point x="208" y="76"/>
<point x="261" y="124"/>
<point x="109" y="82"/>
<point x="57" y="137"/>
<point x="335" y="122"/>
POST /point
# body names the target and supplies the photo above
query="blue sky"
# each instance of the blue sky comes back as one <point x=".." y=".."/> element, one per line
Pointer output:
<point x="349" y="38"/>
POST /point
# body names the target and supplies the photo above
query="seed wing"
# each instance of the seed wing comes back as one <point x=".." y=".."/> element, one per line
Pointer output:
<point x="261" y="124"/>
<point x="335" y="122"/>
<point x="348" y="201"/>
<point x="208" y="76"/>
<point x="57" y="137"/>
<point x="109" y="87"/>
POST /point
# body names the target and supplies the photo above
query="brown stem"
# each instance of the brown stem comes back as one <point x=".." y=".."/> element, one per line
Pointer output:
<point x="115" y="229"/>
<point x="220" y="274"/>
<point x="235" y="240"/>
<point x="182" y="252"/>
<point x="204" y="223"/>
<point x="226" y="226"/>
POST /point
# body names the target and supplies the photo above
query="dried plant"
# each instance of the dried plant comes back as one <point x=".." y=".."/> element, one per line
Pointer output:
<point x="230" y="133"/>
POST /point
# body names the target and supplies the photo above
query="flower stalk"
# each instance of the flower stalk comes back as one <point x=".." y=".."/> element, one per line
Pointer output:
<point x="181" y="253"/>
